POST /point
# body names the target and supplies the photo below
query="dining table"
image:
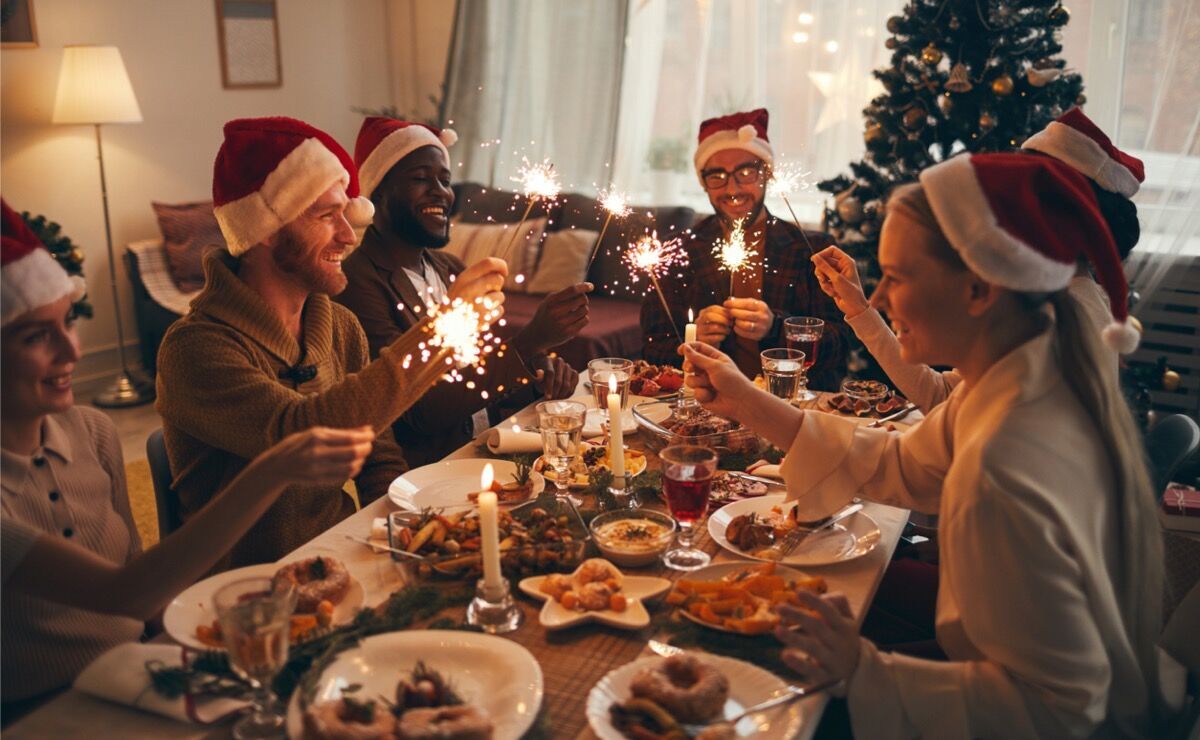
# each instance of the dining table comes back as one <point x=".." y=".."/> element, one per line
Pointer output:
<point x="572" y="661"/>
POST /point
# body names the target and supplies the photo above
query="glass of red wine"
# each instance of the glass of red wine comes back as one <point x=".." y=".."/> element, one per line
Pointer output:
<point x="687" y="480"/>
<point x="804" y="333"/>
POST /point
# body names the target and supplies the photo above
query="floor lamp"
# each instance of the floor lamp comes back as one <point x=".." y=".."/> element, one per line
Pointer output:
<point x="93" y="88"/>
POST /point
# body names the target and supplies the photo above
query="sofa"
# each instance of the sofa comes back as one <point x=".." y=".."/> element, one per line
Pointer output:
<point x="557" y="240"/>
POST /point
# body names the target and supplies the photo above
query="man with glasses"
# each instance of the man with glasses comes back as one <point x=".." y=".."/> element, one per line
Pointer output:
<point x="733" y="161"/>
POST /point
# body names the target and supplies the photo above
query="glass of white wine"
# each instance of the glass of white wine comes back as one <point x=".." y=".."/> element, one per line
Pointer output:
<point x="561" y="424"/>
<point x="255" y="616"/>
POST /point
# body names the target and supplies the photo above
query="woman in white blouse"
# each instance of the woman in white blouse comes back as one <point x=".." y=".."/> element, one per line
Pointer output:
<point x="1050" y="590"/>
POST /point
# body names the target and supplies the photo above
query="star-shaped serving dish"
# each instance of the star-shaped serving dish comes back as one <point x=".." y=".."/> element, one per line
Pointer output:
<point x="636" y="589"/>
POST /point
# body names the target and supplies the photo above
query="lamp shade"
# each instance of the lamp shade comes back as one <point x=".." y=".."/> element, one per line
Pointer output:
<point x="93" y="87"/>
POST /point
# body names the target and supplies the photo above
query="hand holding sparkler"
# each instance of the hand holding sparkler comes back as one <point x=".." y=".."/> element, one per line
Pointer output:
<point x="615" y="203"/>
<point x="655" y="258"/>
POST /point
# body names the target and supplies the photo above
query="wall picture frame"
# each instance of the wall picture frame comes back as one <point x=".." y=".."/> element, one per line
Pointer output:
<point x="18" y="29"/>
<point x="248" y="36"/>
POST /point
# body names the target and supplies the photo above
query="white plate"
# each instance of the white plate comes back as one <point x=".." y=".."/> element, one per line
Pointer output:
<point x="492" y="673"/>
<point x="748" y="685"/>
<point x="445" y="484"/>
<point x="555" y="616"/>
<point x="850" y="539"/>
<point x="716" y="572"/>
<point x="194" y="607"/>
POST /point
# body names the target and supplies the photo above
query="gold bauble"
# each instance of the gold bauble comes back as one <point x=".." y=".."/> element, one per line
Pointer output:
<point x="893" y="24"/>
<point x="914" y="118"/>
<point x="1170" y="381"/>
<point x="1003" y="85"/>
<point x="1059" y="16"/>
<point x="1081" y="99"/>
<point x="873" y="133"/>
<point x="931" y="55"/>
<point x="987" y="121"/>
<point x="1133" y="321"/>
<point x="77" y="255"/>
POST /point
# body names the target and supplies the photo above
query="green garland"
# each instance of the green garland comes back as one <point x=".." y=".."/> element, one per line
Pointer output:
<point x="61" y="247"/>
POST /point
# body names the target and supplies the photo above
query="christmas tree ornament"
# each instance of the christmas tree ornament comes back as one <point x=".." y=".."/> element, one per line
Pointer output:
<point x="1002" y="14"/>
<point x="850" y="210"/>
<point x="914" y="118"/>
<point x="931" y="55"/>
<point x="945" y="104"/>
<point x="987" y="121"/>
<point x="1042" y="77"/>
<point x="873" y="133"/>
<point x="890" y="43"/>
<point x="953" y="24"/>
<point x="1003" y="85"/>
<point x="959" y="81"/>
<point x="1059" y="16"/>
<point x="1081" y="99"/>
<point x="1137" y="324"/>
<point x="874" y="209"/>
<point x="1170" y="381"/>
<point x="893" y="24"/>
<point x="869" y="228"/>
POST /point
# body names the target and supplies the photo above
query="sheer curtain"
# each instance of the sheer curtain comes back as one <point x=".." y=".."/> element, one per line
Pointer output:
<point x="535" y="79"/>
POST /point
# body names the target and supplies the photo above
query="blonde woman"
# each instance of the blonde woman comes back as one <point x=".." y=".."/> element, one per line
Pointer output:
<point x="1049" y="599"/>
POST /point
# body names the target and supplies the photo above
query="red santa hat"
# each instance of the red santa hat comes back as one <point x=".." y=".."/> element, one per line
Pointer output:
<point x="269" y="170"/>
<point x="1023" y="223"/>
<point x="1079" y="142"/>
<point x="30" y="277"/>
<point x="382" y="142"/>
<point x="746" y="131"/>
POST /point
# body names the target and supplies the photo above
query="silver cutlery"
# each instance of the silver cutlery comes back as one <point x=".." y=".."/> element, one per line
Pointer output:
<point x="904" y="411"/>
<point x="784" y="547"/>
<point x="388" y="548"/>
<point x="757" y="478"/>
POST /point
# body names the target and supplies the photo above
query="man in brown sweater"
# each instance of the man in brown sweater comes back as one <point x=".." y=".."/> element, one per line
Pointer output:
<point x="405" y="169"/>
<point x="264" y="352"/>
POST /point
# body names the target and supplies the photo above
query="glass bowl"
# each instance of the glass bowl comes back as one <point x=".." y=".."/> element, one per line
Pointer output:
<point x="632" y="538"/>
<point x="871" y="391"/>
<point x="660" y="421"/>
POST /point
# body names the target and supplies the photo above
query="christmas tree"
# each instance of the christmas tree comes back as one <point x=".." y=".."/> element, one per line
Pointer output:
<point x="979" y="75"/>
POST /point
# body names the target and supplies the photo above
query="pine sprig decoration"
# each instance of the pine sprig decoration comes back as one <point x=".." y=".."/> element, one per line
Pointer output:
<point x="63" y="249"/>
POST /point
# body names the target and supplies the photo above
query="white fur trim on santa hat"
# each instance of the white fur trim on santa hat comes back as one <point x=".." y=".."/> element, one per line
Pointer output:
<point x="1121" y="336"/>
<point x="395" y="147"/>
<point x="745" y="138"/>
<point x="966" y="218"/>
<point x="1082" y="152"/>
<point x="295" y="183"/>
<point x="33" y="281"/>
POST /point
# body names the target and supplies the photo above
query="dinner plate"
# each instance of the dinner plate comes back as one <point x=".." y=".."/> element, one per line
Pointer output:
<point x="446" y="484"/>
<point x="194" y="607"/>
<point x="716" y="572"/>
<point x="555" y="616"/>
<point x="637" y="466"/>
<point x="492" y="673"/>
<point x="852" y="538"/>
<point x="594" y="423"/>
<point x="748" y="685"/>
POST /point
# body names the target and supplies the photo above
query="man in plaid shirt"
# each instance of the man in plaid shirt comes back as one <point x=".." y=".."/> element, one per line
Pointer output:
<point x="734" y="160"/>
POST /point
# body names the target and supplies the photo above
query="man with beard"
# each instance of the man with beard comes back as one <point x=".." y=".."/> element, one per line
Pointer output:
<point x="399" y="269"/>
<point x="264" y="352"/>
<point x="734" y="160"/>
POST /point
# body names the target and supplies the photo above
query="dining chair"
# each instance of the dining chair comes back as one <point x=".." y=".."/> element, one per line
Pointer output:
<point x="1172" y="440"/>
<point x="165" y="498"/>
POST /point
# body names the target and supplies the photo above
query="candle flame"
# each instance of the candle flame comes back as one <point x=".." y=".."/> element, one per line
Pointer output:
<point x="615" y="202"/>
<point x="612" y="384"/>
<point x="653" y="257"/>
<point x="691" y="317"/>
<point x="539" y="180"/>
<point x="486" y="478"/>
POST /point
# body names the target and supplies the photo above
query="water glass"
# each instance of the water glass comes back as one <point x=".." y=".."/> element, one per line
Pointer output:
<point x="687" y="482"/>
<point x="255" y="617"/>
<point x="561" y="425"/>
<point x="804" y="333"/>
<point x="600" y="371"/>
<point x="782" y="368"/>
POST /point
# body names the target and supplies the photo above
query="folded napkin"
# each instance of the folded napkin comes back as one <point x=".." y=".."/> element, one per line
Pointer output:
<point x="508" y="440"/>
<point x="765" y="469"/>
<point x="120" y="676"/>
<point x="378" y="537"/>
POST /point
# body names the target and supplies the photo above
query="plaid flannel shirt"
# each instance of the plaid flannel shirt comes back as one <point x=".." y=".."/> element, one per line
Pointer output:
<point x="789" y="288"/>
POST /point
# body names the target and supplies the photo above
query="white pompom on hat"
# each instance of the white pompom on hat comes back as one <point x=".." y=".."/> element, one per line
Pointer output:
<point x="270" y="170"/>
<point x="1024" y="222"/>
<point x="746" y="131"/>
<point x="30" y="277"/>
<point x="382" y="142"/>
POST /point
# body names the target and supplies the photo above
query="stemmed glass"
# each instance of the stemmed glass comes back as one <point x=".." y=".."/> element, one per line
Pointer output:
<point x="804" y="333"/>
<point x="561" y="425"/>
<point x="687" y="481"/>
<point x="603" y="368"/>
<point x="255" y="616"/>
<point x="782" y="369"/>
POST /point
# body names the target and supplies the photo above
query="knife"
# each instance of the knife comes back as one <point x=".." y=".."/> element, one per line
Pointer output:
<point x="784" y="547"/>
<point x="757" y="478"/>
<point x="903" y="412"/>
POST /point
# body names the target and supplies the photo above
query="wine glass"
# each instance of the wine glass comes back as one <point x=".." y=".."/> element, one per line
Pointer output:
<point x="561" y="425"/>
<point x="255" y="616"/>
<point x="687" y="481"/>
<point x="804" y="333"/>
<point x="603" y="368"/>
<point x="782" y="369"/>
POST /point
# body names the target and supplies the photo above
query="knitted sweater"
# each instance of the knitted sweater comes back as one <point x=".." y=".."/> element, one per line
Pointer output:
<point x="224" y="398"/>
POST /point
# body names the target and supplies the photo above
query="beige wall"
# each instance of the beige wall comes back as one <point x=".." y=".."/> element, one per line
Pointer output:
<point x="420" y="46"/>
<point x="334" y="53"/>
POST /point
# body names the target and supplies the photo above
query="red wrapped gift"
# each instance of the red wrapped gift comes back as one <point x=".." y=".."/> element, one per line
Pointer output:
<point x="1181" y="500"/>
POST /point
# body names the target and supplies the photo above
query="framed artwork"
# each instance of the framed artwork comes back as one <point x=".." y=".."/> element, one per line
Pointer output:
<point x="248" y="34"/>
<point x="17" y="27"/>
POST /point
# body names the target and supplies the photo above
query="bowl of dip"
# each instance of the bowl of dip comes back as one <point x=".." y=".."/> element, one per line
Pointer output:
<point x="632" y="538"/>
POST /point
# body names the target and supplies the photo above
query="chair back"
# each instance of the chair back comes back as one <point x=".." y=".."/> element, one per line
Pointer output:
<point x="160" y="472"/>
<point x="1172" y="440"/>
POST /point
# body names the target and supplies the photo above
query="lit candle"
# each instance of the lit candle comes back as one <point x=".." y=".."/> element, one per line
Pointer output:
<point x="489" y="533"/>
<point x="616" y="435"/>
<point x="689" y="331"/>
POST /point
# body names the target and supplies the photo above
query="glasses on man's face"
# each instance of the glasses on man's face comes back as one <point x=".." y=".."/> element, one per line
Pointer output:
<point x="746" y="174"/>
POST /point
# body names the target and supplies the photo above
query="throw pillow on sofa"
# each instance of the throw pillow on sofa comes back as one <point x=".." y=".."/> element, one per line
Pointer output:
<point x="189" y="231"/>
<point x="564" y="260"/>
<point x="472" y="242"/>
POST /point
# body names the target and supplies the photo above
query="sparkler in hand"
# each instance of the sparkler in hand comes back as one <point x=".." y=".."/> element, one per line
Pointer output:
<point x="614" y="202"/>
<point x="655" y="258"/>
<point x="538" y="182"/>
<point x="733" y="253"/>
<point x="785" y="180"/>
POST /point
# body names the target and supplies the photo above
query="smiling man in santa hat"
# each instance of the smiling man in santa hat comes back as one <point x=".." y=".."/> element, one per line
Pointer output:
<point x="264" y="352"/>
<point x="399" y="268"/>
<point x="733" y="161"/>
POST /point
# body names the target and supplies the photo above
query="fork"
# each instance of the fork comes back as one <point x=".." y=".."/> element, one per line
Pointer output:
<point x="784" y="547"/>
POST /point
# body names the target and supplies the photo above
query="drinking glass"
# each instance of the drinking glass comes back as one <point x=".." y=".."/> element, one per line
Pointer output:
<point x="599" y="372"/>
<point x="804" y="333"/>
<point x="687" y="481"/>
<point x="782" y="369"/>
<point x="561" y="424"/>
<point x="255" y="616"/>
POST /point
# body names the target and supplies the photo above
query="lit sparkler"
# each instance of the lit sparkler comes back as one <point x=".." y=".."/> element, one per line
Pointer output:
<point x="654" y="258"/>
<point x="616" y="204"/>
<point x="463" y="329"/>
<point x="733" y="253"/>
<point x="785" y="180"/>
<point x="538" y="182"/>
